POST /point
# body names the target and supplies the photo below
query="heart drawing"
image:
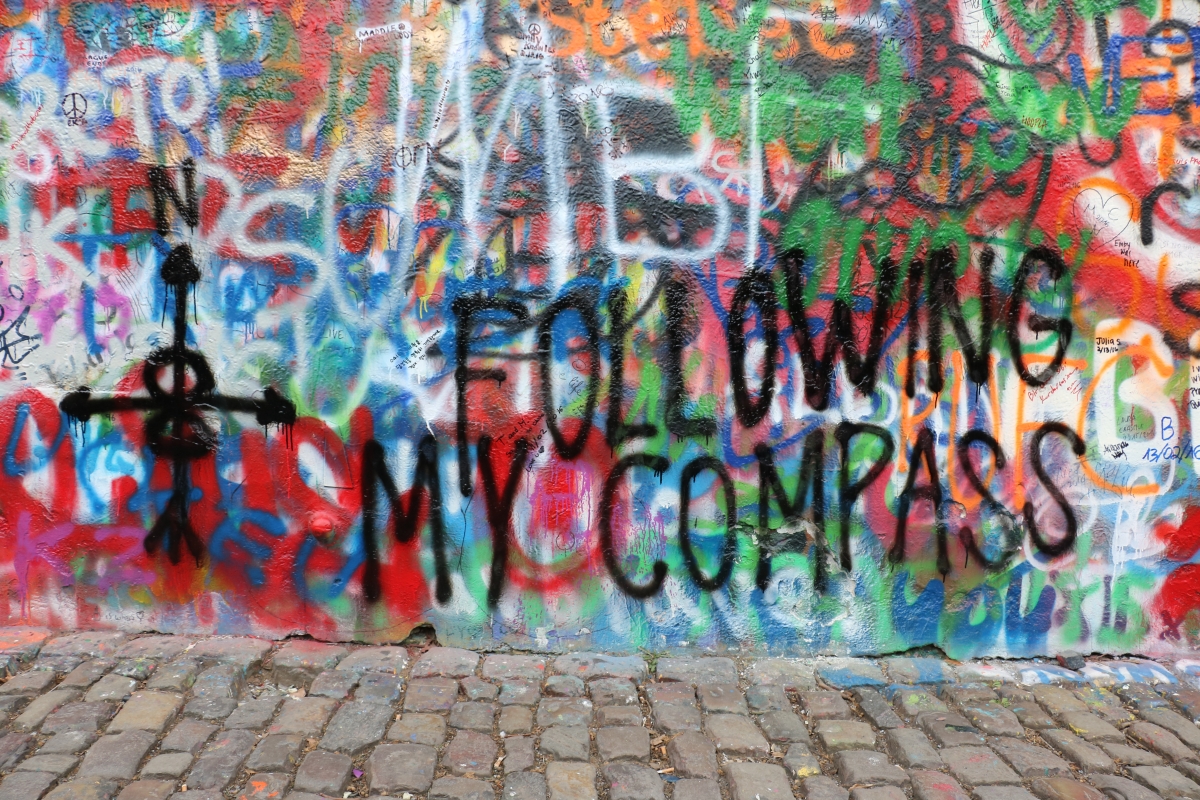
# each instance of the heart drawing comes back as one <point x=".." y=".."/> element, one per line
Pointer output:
<point x="1107" y="215"/>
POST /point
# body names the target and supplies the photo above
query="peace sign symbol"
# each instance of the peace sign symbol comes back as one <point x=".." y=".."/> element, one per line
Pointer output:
<point x="74" y="106"/>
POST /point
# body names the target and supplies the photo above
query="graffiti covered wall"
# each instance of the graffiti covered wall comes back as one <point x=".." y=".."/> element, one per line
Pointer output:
<point x="844" y="326"/>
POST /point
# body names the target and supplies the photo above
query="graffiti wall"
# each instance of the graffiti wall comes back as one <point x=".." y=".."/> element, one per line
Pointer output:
<point x="843" y="326"/>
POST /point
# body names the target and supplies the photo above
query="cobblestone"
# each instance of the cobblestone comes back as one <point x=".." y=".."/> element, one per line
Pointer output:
<point x="1088" y="757"/>
<point x="445" y="662"/>
<point x="768" y="697"/>
<point x="736" y="735"/>
<point x="470" y="753"/>
<point x="188" y="736"/>
<point x="1064" y="789"/>
<point x="253" y="715"/>
<point x="524" y="786"/>
<point x="356" y="726"/>
<point x="1123" y="788"/>
<point x="927" y="785"/>
<point x="912" y="749"/>
<point x="388" y="659"/>
<point x="837" y="735"/>
<point x="784" y="726"/>
<point x="621" y="744"/>
<point x="518" y="693"/>
<point x="1166" y="782"/>
<point x="306" y="716"/>
<point x="378" y="687"/>
<point x="633" y="782"/>
<point x="426" y="729"/>
<point x="277" y="752"/>
<point x="978" y="766"/>
<point x="395" y="768"/>
<point x="501" y="668"/>
<point x="693" y="755"/>
<point x="147" y="711"/>
<point x="565" y="686"/>
<point x="949" y="729"/>
<point x="867" y="767"/>
<point x="515" y="719"/>
<point x="117" y="756"/>
<point x="13" y="747"/>
<point x="298" y="662"/>
<point x="825" y="705"/>
<point x="518" y="753"/>
<point x="220" y="760"/>
<point x="570" y="781"/>
<point x="1128" y="756"/>
<point x="143" y="717"/>
<point x="26" y="785"/>
<point x="461" y="789"/>
<point x="68" y="742"/>
<point x="757" y="782"/>
<point x="479" y="689"/>
<point x="432" y="694"/>
<point x="800" y="762"/>
<point x="697" y="789"/>
<point x="566" y="743"/>
<point x="1031" y="761"/>
<point x="473" y="716"/>
<point x="56" y="765"/>
<point x="323" y="772"/>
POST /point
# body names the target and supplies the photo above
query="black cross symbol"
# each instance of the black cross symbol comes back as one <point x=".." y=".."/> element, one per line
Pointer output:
<point x="175" y="428"/>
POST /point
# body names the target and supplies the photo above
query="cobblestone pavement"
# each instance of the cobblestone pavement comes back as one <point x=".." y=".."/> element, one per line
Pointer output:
<point x="101" y="715"/>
